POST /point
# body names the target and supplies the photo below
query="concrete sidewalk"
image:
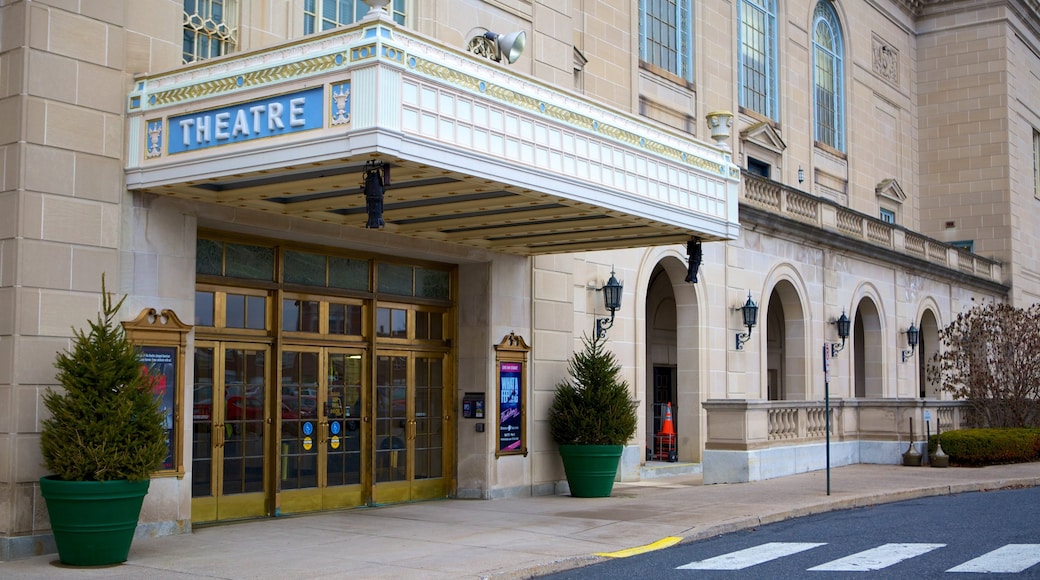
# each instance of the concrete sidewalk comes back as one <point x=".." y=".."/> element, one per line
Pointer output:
<point x="519" y="537"/>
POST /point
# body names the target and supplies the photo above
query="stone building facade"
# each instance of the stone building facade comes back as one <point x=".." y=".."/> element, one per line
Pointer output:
<point x="879" y="160"/>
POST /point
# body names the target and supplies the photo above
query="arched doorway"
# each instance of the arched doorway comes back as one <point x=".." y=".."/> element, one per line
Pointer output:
<point x="927" y="347"/>
<point x="867" y="351"/>
<point x="673" y="367"/>
<point x="785" y="345"/>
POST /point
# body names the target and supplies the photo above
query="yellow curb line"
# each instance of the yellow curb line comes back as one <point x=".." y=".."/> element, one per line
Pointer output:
<point x="659" y="544"/>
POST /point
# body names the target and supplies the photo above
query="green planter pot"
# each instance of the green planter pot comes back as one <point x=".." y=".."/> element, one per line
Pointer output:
<point x="93" y="521"/>
<point x="591" y="468"/>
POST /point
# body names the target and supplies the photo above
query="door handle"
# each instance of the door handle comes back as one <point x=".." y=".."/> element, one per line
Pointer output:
<point x="411" y="430"/>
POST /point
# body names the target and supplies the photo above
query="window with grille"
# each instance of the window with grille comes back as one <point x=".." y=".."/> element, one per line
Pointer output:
<point x="828" y="76"/>
<point x="319" y="15"/>
<point x="666" y="35"/>
<point x="210" y="29"/>
<point x="757" y="67"/>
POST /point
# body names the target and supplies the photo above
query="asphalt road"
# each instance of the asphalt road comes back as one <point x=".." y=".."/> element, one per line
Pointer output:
<point x="973" y="535"/>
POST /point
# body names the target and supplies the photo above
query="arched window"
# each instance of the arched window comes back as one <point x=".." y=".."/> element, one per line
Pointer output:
<point x="828" y="77"/>
<point x="666" y="35"/>
<point x="757" y="67"/>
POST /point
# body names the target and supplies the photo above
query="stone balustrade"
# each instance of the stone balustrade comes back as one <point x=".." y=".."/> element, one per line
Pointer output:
<point x="826" y="214"/>
<point x="750" y="440"/>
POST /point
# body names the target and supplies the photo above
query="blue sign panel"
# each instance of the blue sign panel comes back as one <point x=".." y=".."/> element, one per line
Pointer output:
<point x="281" y="115"/>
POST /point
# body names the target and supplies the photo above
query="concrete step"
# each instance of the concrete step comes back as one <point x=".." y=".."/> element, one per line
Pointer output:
<point x="652" y="469"/>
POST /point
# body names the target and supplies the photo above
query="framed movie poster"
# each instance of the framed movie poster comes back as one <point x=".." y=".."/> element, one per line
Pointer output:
<point x="160" y="338"/>
<point x="511" y="363"/>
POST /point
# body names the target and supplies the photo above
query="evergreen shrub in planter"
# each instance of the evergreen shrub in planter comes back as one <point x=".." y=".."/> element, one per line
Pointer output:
<point x="591" y="418"/>
<point x="103" y="439"/>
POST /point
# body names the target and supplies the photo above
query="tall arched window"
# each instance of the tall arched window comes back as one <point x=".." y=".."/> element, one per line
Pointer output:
<point x="828" y="77"/>
<point x="666" y="35"/>
<point x="757" y="67"/>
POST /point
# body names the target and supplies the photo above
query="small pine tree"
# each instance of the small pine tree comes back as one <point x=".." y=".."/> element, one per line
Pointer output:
<point x="593" y="406"/>
<point x="107" y="424"/>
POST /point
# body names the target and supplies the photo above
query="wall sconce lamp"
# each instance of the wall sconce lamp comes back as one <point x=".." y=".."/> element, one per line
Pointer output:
<point x="843" y="323"/>
<point x="612" y="300"/>
<point x="497" y="46"/>
<point x="912" y="335"/>
<point x="377" y="176"/>
<point x="801" y="174"/>
<point x="749" y="311"/>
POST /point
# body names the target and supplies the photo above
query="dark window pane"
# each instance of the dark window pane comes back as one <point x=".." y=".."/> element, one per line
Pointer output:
<point x="290" y="315"/>
<point x="398" y="324"/>
<point x="309" y="312"/>
<point x="251" y="262"/>
<point x="304" y="268"/>
<point x="394" y="279"/>
<point x="337" y="318"/>
<point x="422" y="325"/>
<point x="436" y="326"/>
<point x="236" y="311"/>
<point x="432" y="283"/>
<point x="382" y="322"/>
<point x="354" y="320"/>
<point x="348" y="274"/>
<point x="391" y="323"/>
<point x="203" y="309"/>
<point x="256" y="311"/>
<point x="345" y="319"/>
<point x="209" y="257"/>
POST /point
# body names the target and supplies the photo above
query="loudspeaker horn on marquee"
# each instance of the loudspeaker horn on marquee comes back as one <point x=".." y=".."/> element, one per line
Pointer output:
<point x="510" y="46"/>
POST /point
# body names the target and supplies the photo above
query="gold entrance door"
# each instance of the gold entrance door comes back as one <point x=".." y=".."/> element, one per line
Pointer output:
<point x="229" y="431"/>
<point x="320" y="460"/>
<point x="410" y="427"/>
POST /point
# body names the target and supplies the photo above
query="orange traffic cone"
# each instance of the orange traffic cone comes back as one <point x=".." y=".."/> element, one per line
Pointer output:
<point x="667" y="427"/>
<point x="664" y="441"/>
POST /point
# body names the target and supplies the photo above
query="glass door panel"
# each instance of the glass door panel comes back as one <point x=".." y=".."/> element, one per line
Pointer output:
<point x="320" y="455"/>
<point x="429" y="417"/>
<point x="245" y="373"/>
<point x="410" y="425"/>
<point x="391" y="418"/>
<point x="202" y="425"/>
<point x="343" y="418"/>
<point x="229" y="420"/>
<point x="300" y="425"/>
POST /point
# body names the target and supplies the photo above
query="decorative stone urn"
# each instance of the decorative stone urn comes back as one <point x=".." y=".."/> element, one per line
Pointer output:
<point x="376" y="9"/>
<point x="720" y="123"/>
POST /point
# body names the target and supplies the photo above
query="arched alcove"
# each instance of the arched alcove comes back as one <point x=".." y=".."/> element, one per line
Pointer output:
<point x="785" y="344"/>
<point x="868" y="350"/>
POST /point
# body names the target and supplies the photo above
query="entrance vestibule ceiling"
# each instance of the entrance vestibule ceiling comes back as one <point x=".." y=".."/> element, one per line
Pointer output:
<point x="477" y="155"/>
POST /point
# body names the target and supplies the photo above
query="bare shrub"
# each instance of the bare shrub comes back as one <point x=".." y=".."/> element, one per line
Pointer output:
<point x="990" y="357"/>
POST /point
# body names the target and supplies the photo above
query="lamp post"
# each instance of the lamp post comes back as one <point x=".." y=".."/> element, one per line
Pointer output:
<point x="612" y="301"/>
<point x="749" y="312"/>
<point x="831" y="350"/>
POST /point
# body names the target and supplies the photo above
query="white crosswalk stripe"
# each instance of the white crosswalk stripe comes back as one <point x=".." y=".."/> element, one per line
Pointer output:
<point x="1008" y="559"/>
<point x="750" y="557"/>
<point x="876" y="558"/>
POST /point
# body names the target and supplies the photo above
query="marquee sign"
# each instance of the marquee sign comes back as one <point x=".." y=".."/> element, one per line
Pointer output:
<point x="269" y="117"/>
